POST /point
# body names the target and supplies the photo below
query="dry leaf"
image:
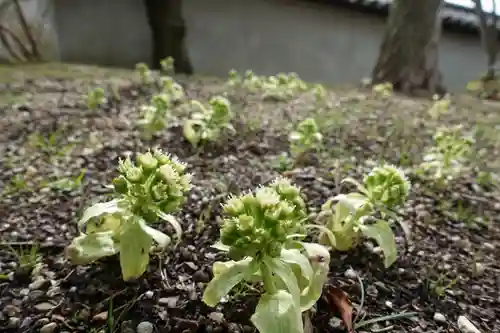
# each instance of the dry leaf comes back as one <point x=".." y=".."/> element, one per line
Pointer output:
<point x="340" y="303"/>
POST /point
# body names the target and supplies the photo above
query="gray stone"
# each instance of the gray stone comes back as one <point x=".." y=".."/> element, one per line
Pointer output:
<point x="14" y="322"/>
<point x="48" y="328"/>
<point x="145" y="327"/>
<point x="44" y="306"/>
<point x="216" y="316"/>
<point x="439" y="318"/>
<point x="170" y="302"/>
<point x="37" y="284"/>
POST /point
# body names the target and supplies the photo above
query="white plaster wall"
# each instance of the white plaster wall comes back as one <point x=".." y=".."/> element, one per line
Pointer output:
<point x="319" y="42"/>
<point x="40" y="17"/>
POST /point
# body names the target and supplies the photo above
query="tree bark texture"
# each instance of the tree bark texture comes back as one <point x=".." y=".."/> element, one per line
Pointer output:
<point x="168" y="31"/>
<point x="408" y="55"/>
<point x="489" y="36"/>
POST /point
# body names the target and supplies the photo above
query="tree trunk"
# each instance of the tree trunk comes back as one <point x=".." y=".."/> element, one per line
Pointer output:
<point x="169" y="31"/>
<point x="409" y="52"/>
<point x="489" y="37"/>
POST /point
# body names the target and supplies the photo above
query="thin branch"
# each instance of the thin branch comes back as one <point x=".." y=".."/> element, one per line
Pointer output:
<point x="6" y="31"/>
<point x="26" y="29"/>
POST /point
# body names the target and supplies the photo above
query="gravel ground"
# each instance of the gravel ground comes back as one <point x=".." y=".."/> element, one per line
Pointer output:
<point x="450" y="267"/>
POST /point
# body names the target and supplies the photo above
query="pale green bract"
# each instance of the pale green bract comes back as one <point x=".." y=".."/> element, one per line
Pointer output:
<point x="262" y="232"/>
<point x="383" y="189"/>
<point x="207" y="122"/>
<point x="145" y="193"/>
<point x="446" y="159"/>
<point x="306" y="137"/>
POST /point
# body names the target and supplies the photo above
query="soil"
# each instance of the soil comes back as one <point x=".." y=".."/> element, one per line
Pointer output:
<point x="450" y="266"/>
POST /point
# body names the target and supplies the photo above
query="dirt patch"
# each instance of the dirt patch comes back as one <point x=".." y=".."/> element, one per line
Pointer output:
<point x="449" y="268"/>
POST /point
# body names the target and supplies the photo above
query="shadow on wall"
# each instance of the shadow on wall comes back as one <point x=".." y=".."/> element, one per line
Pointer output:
<point x="27" y="31"/>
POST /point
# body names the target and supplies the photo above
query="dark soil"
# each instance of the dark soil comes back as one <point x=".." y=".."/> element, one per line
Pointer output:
<point x="454" y="229"/>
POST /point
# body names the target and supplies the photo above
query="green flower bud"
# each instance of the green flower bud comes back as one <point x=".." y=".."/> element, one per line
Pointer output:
<point x="168" y="174"/>
<point x="134" y="174"/>
<point x="387" y="185"/>
<point x="255" y="221"/>
<point x="234" y="206"/>
<point x="147" y="161"/>
<point x="120" y="185"/>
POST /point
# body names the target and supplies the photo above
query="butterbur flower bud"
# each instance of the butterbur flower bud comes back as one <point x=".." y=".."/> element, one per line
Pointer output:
<point x="387" y="185"/>
<point x="120" y="185"/>
<point x="134" y="174"/>
<point x="254" y="222"/>
<point x="234" y="206"/>
<point x="168" y="174"/>
<point x="147" y="161"/>
<point x="156" y="183"/>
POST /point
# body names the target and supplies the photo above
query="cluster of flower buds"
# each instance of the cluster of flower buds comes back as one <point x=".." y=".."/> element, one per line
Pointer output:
<point x="387" y="185"/>
<point x="307" y="134"/>
<point x="261" y="223"/>
<point x="450" y="141"/>
<point x="220" y="110"/>
<point x="157" y="181"/>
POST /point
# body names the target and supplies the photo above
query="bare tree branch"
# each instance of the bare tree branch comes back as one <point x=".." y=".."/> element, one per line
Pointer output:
<point x="5" y="34"/>
<point x="27" y="31"/>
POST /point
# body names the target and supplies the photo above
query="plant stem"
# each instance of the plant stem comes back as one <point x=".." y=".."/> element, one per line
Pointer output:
<point x="267" y="276"/>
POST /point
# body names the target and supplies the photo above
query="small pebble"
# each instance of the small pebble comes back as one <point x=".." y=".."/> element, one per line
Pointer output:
<point x="13" y="322"/>
<point x="101" y="316"/>
<point x="350" y="274"/>
<point x="465" y="326"/>
<point x="216" y="316"/>
<point x="48" y="328"/>
<point x="439" y="318"/>
<point x="37" y="284"/>
<point x="44" y="306"/>
<point x="144" y="327"/>
<point x="170" y="302"/>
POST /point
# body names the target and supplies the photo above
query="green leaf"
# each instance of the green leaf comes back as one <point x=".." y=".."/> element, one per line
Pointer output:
<point x="222" y="284"/>
<point x="277" y="313"/>
<point x="358" y="185"/>
<point x="221" y="266"/>
<point x="382" y="233"/>
<point x="135" y="245"/>
<point x="324" y="232"/>
<point x="98" y="210"/>
<point x="285" y="274"/>
<point x="190" y="133"/>
<point x="299" y="263"/>
<point x="86" y="249"/>
<point x="353" y="201"/>
<point x="173" y="222"/>
<point x="158" y="236"/>
<point x="320" y="262"/>
<point x="221" y="247"/>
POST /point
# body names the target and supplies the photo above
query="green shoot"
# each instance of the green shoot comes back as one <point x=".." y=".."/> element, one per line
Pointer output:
<point x="68" y="184"/>
<point x="305" y="138"/>
<point x="145" y="192"/>
<point x="280" y="87"/>
<point x="95" y="98"/>
<point x="353" y="216"/>
<point x="208" y="122"/>
<point x="440" y="107"/>
<point x="446" y="160"/>
<point x="262" y="234"/>
<point x="383" y="90"/>
<point x="144" y="73"/>
<point x="27" y="258"/>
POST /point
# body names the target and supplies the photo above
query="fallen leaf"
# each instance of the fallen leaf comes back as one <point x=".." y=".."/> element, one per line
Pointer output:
<point x="339" y="302"/>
